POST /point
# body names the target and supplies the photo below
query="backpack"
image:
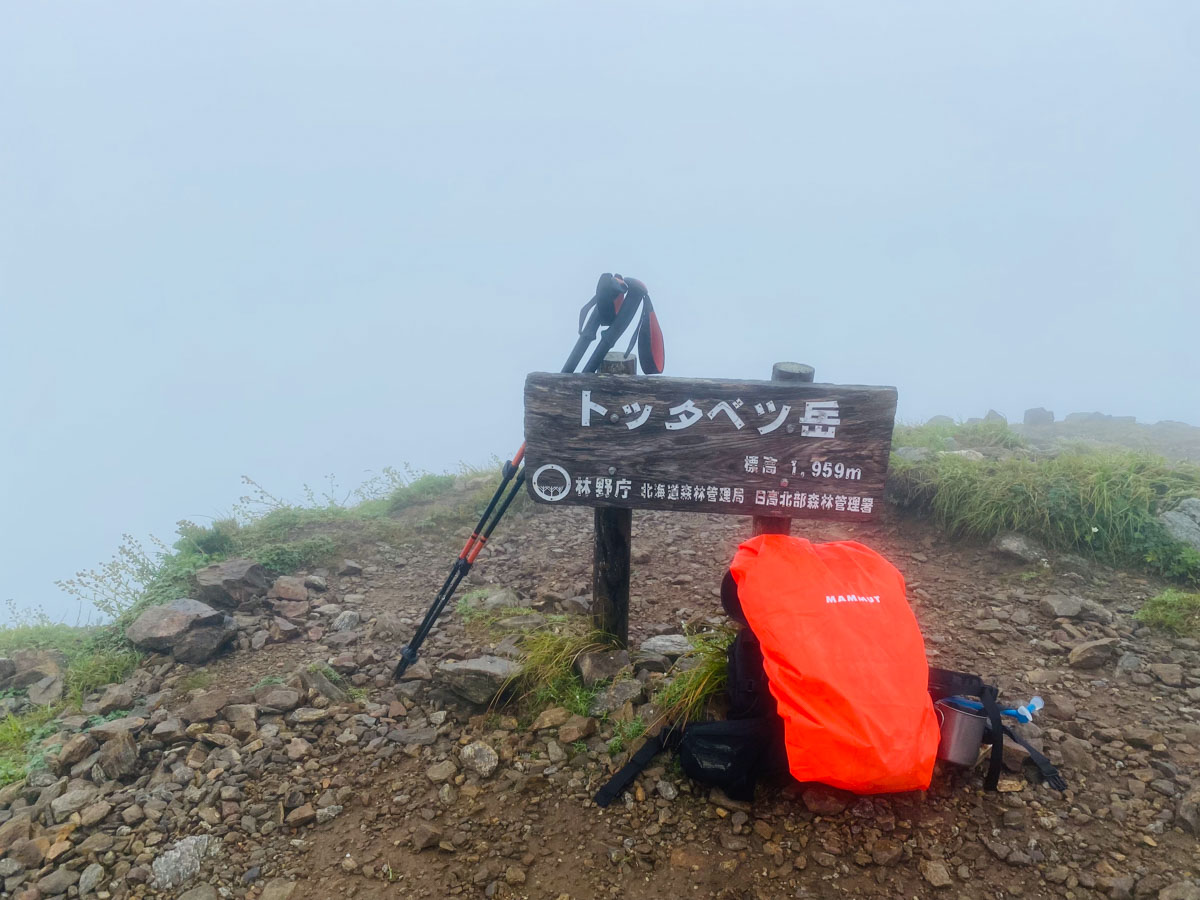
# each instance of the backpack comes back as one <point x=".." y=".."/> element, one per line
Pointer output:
<point x="749" y="745"/>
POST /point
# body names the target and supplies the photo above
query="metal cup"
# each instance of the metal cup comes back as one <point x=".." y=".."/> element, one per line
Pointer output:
<point x="962" y="733"/>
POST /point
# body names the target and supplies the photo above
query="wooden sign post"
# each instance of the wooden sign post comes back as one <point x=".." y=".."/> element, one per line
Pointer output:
<point x="774" y="450"/>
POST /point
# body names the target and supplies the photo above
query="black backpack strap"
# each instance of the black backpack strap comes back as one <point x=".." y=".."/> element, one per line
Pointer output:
<point x="948" y="683"/>
<point x="1049" y="772"/>
<point x="624" y="777"/>
<point x="991" y="708"/>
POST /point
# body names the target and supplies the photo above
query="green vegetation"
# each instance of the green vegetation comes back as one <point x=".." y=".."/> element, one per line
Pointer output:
<point x="195" y="681"/>
<point x="1174" y="612"/>
<point x="547" y="676"/>
<point x="1099" y="502"/>
<point x="19" y="737"/>
<point x="687" y="696"/>
<point x="625" y="733"/>
<point x="977" y="436"/>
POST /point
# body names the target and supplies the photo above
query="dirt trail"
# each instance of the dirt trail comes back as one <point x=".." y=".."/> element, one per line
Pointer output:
<point x="1127" y="743"/>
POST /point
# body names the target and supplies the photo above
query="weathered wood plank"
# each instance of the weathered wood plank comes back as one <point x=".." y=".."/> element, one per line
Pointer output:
<point x="592" y="441"/>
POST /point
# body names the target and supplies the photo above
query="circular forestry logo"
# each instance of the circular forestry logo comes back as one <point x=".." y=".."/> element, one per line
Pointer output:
<point x="551" y="482"/>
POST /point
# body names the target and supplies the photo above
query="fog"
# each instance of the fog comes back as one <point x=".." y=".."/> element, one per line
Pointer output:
<point x="287" y="240"/>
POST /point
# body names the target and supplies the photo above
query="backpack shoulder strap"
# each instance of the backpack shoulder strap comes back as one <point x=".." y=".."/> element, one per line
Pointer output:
<point x="1047" y="768"/>
<point x="625" y="775"/>
<point x="948" y="683"/>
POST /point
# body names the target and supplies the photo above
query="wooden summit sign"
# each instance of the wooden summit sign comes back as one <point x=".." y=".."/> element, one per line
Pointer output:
<point x="750" y="448"/>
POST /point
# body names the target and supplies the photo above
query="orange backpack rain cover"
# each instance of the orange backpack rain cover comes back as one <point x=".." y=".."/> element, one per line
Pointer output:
<point x="845" y="661"/>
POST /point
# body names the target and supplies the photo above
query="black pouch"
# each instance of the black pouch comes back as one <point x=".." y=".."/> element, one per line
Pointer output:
<point x="733" y="754"/>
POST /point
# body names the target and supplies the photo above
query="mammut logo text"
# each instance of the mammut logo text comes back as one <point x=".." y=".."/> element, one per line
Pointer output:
<point x="851" y="598"/>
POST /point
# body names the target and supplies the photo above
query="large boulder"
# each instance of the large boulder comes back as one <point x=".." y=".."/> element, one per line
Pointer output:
<point x="478" y="680"/>
<point x="232" y="583"/>
<point x="160" y="628"/>
<point x="1183" y="522"/>
<point x="31" y="666"/>
<point x="199" y="645"/>
<point x="1039" y="416"/>
<point x="193" y="632"/>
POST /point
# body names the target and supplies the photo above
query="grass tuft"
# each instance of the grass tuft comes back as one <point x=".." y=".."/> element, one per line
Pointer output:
<point x="686" y="697"/>
<point x="1102" y="503"/>
<point x="1172" y="611"/>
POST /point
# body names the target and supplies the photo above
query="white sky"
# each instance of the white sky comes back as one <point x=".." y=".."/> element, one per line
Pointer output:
<point x="289" y="239"/>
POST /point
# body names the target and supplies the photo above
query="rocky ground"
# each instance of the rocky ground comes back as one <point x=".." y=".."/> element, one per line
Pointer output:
<point x="254" y="774"/>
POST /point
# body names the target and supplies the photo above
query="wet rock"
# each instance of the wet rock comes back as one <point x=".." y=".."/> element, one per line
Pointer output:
<point x="346" y="620"/>
<point x="46" y="691"/>
<point x="824" y="801"/>
<point x="478" y="680"/>
<point x="441" y="771"/>
<point x="115" y="697"/>
<point x="1019" y="547"/>
<point x="159" y="628"/>
<point x="201" y="892"/>
<point x="554" y="717"/>
<point x="479" y="758"/>
<point x="170" y="731"/>
<point x="1180" y="890"/>
<point x="181" y="863"/>
<point x="350" y="567"/>
<point x="72" y="802"/>
<point x="886" y="852"/>
<point x="76" y="748"/>
<point x="90" y="879"/>
<point x="600" y="666"/>
<point x="205" y="707"/>
<point x="288" y="587"/>
<point x="1183" y="522"/>
<point x="300" y="816"/>
<point x="426" y="835"/>
<point x="1170" y="674"/>
<point x="231" y="583"/>
<point x="278" y="889"/>
<point x="575" y="729"/>
<point x="57" y="882"/>
<point x="389" y="625"/>
<point x="1059" y="606"/>
<point x="671" y="646"/>
<point x="119" y="757"/>
<point x="935" y="872"/>
<point x="1093" y="654"/>
<point x="276" y="698"/>
<point x="616" y="695"/>
<point x="1188" y="811"/>
<point x="198" y="645"/>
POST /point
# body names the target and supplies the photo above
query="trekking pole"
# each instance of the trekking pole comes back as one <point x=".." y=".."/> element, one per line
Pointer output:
<point x="614" y="305"/>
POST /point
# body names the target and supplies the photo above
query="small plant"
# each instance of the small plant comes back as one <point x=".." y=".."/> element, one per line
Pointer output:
<point x="269" y="680"/>
<point x="686" y="698"/>
<point x="194" y="681"/>
<point x="19" y="737"/>
<point x="578" y="747"/>
<point x="358" y="694"/>
<point x="1172" y="611"/>
<point x="547" y="676"/>
<point x="624" y="733"/>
